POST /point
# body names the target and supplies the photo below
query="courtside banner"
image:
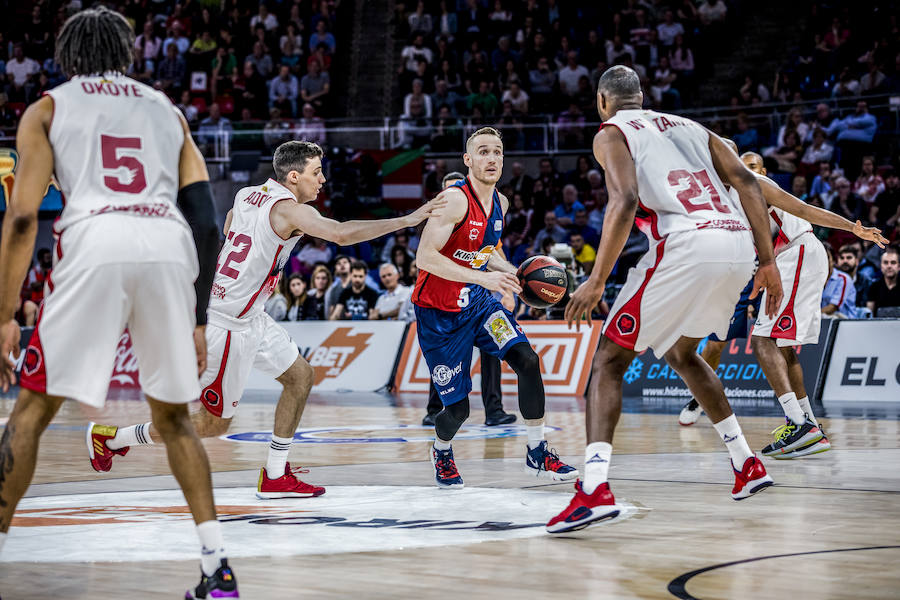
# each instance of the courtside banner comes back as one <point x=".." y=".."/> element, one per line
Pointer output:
<point x="865" y="362"/>
<point x="356" y="356"/>
<point x="565" y="354"/>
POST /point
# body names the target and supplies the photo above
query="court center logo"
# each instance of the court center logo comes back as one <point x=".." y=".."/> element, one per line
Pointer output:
<point x="381" y="434"/>
<point x="102" y="527"/>
<point x="442" y="374"/>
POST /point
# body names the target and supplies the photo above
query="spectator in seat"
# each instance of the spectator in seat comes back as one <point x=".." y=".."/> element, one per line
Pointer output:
<point x="416" y="104"/>
<point x="616" y="47"/>
<point x="444" y="96"/>
<point x="662" y="91"/>
<point x="314" y="306"/>
<point x="565" y="212"/>
<point x="887" y="204"/>
<point x="214" y="133"/>
<point x="277" y="303"/>
<point x="845" y="202"/>
<point x="822" y="121"/>
<point x="340" y="281"/>
<point x="261" y="60"/>
<point x="446" y="133"/>
<point x="570" y="74"/>
<point x="848" y="262"/>
<point x="584" y="253"/>
<point x="796" y="123"/>
<point x="521" y="182"/>
<point x="818" y="152"/>
<point x="821" y="184"/>
<point x="263" y="17"/>
<point x="571" y="127"/>
<point x="447" y="23"/>
<point x="322" y="36"/>
<point x="503" y="53"/>
<point x="516" y="96"/>
<point x="394" y="295"/>
<point x="869" y="183"/>
<point x="311" y="127"/>
<point x="839" y="295"/>
<point x="315" y="86"/>
<point x="190" y="112"/>
<point x="277" y="130"/>
<point x="854" y="137"/>
<point x="401" y="260"/>
<point x="712" y="12"/>
<point x="296" y="297"/>
<point x="412" y="53"/>
<point x="315" y="252"/>
<point x="205" y="44"/>
<point x="885" y="292"/>
<point x="484" y="100"/>
<point x="33" y="288"/>
<point x="580" y="225"/>
<point x="543" y="82"/>
<point x="551" y="231"/>
<point x="21" y="72"/>
<point x="420" y="21"/>
<point x="357" y="301"/>
<point x="871" y="82"/>
<point x="147" y="46"/>
<point x="746" y="138"/>
<point x="178" y="39"/>
<point x="669" y="29"/>
<point x="283" y="91"/>
<point x="171" y="71"/>
<point x="788" y="155"/>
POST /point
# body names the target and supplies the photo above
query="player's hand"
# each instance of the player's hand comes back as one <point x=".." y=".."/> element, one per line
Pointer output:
<point x="582" y="302"/>
<point x="200" y="348"/>
<point x="431" y="208"/>
<point x="9" y="344"/>
<point x="769" y="279"/>
<point x="498" y="281"/>
<point x="873" y="234"/>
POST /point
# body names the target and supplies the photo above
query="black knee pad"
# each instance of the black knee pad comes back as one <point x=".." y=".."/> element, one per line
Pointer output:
<point x="527" y="365"/>
<point x="522" y="358"/>
<point x="448" y="421"/>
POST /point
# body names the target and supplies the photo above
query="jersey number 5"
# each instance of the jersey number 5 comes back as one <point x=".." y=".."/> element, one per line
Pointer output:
<point x="117" y="153"/>
<point x="697" y="183"/>
<point x="241" y="244"/>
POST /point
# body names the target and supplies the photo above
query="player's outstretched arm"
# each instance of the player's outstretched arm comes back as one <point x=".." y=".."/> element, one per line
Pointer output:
<point x="779" y="198"/>
<point x="435" y="235"/>
<point x="611" y="151"/>
<point x="734" y="173"/>
<point x="290" y="217"/>
<point x="21" y="222"/>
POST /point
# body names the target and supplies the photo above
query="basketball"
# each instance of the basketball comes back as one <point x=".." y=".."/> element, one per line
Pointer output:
<point x="544" y="281"/>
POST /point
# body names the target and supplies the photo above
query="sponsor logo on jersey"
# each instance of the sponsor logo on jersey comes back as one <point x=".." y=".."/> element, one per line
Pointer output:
<point x="476" y="259"/>
<point x="442" y="374"/>
<point x="498" y="225"/>
<point x="477" y="223"/>
<point x="626" y="324"/>
<point x="218" y="291"/>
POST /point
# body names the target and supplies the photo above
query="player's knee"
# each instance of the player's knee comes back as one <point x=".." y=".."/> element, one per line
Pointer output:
<point x="609" y="364"/>
<point x="450" y="419"/>
<point x="300" y="375"/>
<point x="171" y="419"/>
<point x="523" y="359"/>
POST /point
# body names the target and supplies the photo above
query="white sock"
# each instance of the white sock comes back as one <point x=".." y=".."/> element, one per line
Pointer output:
<point x="730" y="432"/>
<point x="2" y="541"/>
<point x="440" y="444"/>
<point x="535" y="435"/>
<point x="135" y="435"/>
<point x="278" y="452"/>
<point x="792" y="408"/>
<point x="213" y="546"/>
<point x="805" y="407"/>
<point x="596" y="465"/>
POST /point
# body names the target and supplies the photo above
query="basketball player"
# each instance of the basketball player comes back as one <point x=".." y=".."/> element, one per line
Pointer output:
<point x="685" y="286"/>
<point x="787" y="210"/>
<point x="491" y="394"/>
<point x="261" y="229"/>
<point x="124" y="257"/>
<point x="459" y="264"/>
<point x="803" y="265"/>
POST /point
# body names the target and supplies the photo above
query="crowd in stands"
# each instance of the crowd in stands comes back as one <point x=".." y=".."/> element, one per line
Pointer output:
<point x="220" y="62"/>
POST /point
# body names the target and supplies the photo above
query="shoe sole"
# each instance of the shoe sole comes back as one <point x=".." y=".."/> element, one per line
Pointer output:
<point x="277" y="495"/>
<point x="566" y="527"/>
<point x="753" y="487"/>
<point x="443" y="486"/>
<point x="814" y="448"/>
<point x="806" y="440"/>
<point x="684" y="423"/>
<point x="550" y="475"/>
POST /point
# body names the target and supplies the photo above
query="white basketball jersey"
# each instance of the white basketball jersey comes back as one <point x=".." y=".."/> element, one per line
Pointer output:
<point x="678" y="185"/>
<point x="253" y="254"/>
<point x="116" y="150"/>
<point x="786" y="228"/>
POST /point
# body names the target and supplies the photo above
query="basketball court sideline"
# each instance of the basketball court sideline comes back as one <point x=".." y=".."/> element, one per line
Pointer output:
<point x="383" y="530"/>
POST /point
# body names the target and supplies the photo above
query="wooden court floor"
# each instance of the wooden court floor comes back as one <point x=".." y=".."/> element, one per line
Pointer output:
<point x="830" y="528"/>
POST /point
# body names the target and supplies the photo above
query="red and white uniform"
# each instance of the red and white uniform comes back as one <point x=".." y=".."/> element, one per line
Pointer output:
<point x="701" y="250"/>
<point x="124" y="255"/>
<point x="240" y="335"/>
<point x="803" y="264"/>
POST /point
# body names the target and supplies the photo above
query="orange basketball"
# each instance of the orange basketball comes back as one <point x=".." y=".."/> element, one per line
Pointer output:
<point x="544" y="281"/>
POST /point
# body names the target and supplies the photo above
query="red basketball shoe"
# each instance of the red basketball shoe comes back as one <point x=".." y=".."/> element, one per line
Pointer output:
<point x="585" y="509"/>
<point x="286" y="486"/>
<point x="750" y="479"/>
<point x="101" y="456"/>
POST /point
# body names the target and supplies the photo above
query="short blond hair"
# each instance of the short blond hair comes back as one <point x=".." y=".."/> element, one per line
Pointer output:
<point x="483" y="131"/>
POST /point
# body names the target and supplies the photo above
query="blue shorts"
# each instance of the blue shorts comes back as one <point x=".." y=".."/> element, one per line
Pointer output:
<point x="740" y="325"/>
<point x="446" y="340"/>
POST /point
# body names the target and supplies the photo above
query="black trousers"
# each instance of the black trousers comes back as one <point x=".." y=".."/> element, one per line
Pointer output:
<point x="490" y="388"/>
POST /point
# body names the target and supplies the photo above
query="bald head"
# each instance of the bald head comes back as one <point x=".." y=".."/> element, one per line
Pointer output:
<point x="754" y="162"/>
<point x="619" y="86"/>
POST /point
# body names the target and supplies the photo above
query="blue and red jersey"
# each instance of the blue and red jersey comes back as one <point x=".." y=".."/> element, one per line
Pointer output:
<point x="470" y="245"/>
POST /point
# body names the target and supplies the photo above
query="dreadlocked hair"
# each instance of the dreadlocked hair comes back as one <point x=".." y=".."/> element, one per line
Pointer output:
<point x="95" y="41"/>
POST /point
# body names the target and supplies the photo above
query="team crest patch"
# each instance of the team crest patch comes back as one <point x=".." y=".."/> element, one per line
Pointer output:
<point x="785" y="322"/>
<point x="626" y="324"/>
<point x="473" y="234"/>
<point x="500" y="328"/>
<point x="211" y="397"/>
<point x="33" y="361"/>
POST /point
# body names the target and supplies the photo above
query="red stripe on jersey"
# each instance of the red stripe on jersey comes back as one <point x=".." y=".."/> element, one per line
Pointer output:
<point x="654" y="221"/>
<point x="625" y="326"/>
<point x="786" y="324"/>
<point x="263" y="285"/>
<point x="781" y="239"/>
<point x="212" y="395"/>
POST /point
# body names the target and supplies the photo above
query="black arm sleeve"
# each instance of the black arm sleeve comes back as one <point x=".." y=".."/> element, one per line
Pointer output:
<point x="196" y="203"/>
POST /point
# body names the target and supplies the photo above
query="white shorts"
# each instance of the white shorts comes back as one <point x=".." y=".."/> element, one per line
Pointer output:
<point x="686" y="285"/>
<point x="233" y="347"/>
<point x="804" y="270"/>
<point x="73" y="346"/>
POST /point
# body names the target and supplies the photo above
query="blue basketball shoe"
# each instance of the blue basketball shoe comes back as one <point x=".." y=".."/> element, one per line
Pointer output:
<point x="445" y="473"/>
<point x="545" y="464"/>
